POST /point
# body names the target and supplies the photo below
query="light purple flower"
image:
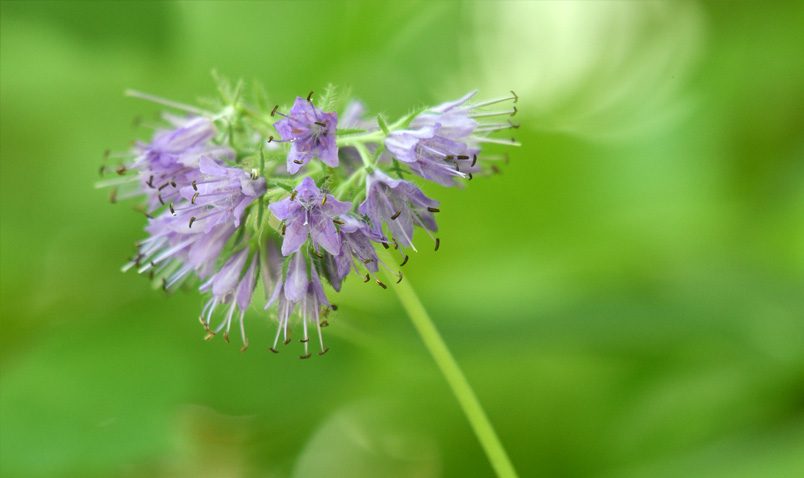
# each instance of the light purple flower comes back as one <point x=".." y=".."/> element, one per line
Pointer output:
<point x="302" y="291"/>
<point x="357" y="251"/>
<point x="308" y="211"/>
<point x="311" y="133"/>
<point x="230" y="289"/>
<point x="221" y="195"/>
<point x="400" y="205"/>
<point x="431" y="154"/>
<point x="179" y="253"/>
<point x="190" y="236"/>
<point x="442" y="143"/>
<point x="171" y="159"/>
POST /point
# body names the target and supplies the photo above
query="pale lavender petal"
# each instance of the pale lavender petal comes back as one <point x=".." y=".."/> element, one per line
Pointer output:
<point x="296" y="284"/>
<point x="246" y="287"/>
<point x="324" y="233"/>
<point x="295" y="235"/>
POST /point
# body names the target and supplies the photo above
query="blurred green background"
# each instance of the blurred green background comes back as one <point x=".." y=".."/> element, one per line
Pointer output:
<point x="626" y="296"/>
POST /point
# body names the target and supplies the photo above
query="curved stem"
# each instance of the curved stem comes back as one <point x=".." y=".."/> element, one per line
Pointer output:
<point x="452" y="373"/>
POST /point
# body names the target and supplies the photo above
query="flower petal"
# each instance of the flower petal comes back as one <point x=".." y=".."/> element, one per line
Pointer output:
<point x="295" y="235"/>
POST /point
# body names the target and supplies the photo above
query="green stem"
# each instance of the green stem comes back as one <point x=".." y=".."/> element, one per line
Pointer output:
<point x="452" y="373"/>
<point x="353" y="139"/>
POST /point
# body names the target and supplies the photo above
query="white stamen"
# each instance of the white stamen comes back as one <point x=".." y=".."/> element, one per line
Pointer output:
<point x="507" y="142"/>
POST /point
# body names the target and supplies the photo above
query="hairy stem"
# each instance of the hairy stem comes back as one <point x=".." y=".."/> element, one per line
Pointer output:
<point x="452" y="373"/>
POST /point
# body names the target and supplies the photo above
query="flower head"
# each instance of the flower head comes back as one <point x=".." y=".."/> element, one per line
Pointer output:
<point x="308" y="211"/>
<point x="207" y="177"/>
<point x="311" y="133"/>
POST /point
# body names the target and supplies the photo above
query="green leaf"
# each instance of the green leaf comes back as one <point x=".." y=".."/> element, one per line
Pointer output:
<point x="329" y="99"/>
<point x="383" y="125"/>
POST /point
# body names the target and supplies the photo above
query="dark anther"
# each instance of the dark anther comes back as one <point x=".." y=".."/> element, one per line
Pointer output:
<point x="121" y="170"/>
<point x="449" y="157"/>
<point x="244" y="347"/>
<point x="338" y="222"/>
<point x="101" y="170"/>
<point x="305" y="356"/>
<point x="400" y="278"/>
<point x="495" y="169"/>
<point x="396" y="244"/>
<point x="396" y="215"/>
<point x="310" y="96"/>
<point x="404" y="261"/>
<point x="470" y="176"/>
<point x="164" y="186"/>
<point x="287" y="340"/>
<point x="462" y="156"/>
<point x="438" y="243"/>
<point x="305" y="340"/>
<point x="515" y="111"/>
<point x="172" y="211"/>
<point x="379" y="283"/>
<point x="334" y="307"/>
<point x="192" y="220"/>
<point x="273" y="112"/>
<point x="195" y="196"/>
<point x="298" y="161"/>
<point x="320" y="123"/>
<point x="368" y="261"/>
<point x="293" y="195"/>
<point x="367" y="278"/>
<point x="516" y="98"/>
<point x="274" y="350"/>
<point x="113" y="196"/>
<point x="433" y="209"/>
<point x="226" y="337"/>
<point x="513" y="125"/>
<point x="164" y="284"/>
<point x="474" y="160"/>
<point x="270" y="138"/>
<point x="161" y="201"/>
<point x="324" y="323"/>
<point x="324" y="201"/>
<point x="326" y="349"/>
<point x="151" y="274"/>
<point x="173" y="183"/>
<point x="384" y="244"/>
<point x="150" y="182"/>
<point x="284" y="227"/>
<point x="195" y="186"/>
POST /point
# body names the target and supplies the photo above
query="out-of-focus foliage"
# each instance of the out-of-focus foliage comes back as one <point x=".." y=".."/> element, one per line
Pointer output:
<point x="626" y="296"/>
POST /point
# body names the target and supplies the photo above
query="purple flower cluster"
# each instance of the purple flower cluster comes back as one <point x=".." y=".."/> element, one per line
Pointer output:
<point x="235" y="213"/>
